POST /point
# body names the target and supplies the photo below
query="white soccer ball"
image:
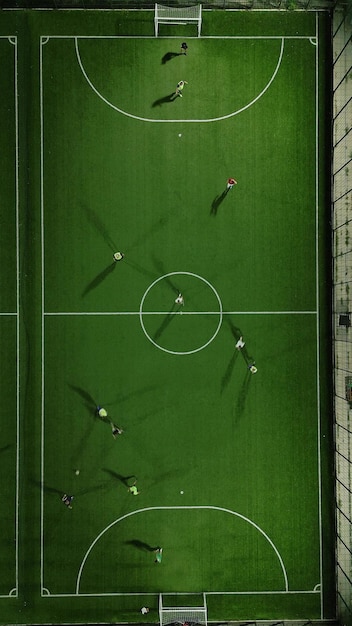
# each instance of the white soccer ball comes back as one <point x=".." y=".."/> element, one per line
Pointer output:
<point x="181" y="492"/>
<point x="180" y="134"/>
<point x="77" y="472"/>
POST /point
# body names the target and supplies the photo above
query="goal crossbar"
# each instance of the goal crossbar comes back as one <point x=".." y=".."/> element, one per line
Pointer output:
<point x="176" y="15"/>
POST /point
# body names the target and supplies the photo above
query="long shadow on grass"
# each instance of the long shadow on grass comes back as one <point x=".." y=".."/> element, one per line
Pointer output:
<point x="81" y="446"/>
<point x="98" y="279"/>
<point x="5" y="448"/>
<point x="236" y="333"/>
<point x="159" y="266"/>
<point x="164" y="100"/>
<point x="241" y="400"/>
<point x="140" y="269"/>
<point x="172" y="474"/>
<point x="91" y="406"/>
<point x="141" y="545"/>
<point x="216" y="203"/>
<point x="89" y="402"/>
<point x="92" y="489"/>
<point x="125" y="480"/>
<point x="228" y="373"/>
<point x="166" y="322"/>
<point x="99" y="226"/>
<point x="60" y="492"/>
<point x="136" y="393"/>
<point x="47" y="488"/>
<point x="139" y="418"/>
<point x="169" y="56"/>
<point x="158" y="224"/>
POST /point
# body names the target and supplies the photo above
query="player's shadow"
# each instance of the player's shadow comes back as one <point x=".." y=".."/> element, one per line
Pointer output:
<point x="135" y="393"/>
<point x="140" y="545"/>
<point x="236" y="333"/>
<point x="164" y="100"/>
<point x="89" y="402"/>
<point x="243" y="393"/>
<point x="96" y="221"/>
<point x="82" y="445"/>
<point x="46" y="488"/>
<point x="164" y="477"/>
<point x="229" y="371"/>
<point x="5" y="448"/>
<point x="91" y="489"/>
<point x="162" y="271"/>
<point x="143" y="416"/>
<point x="127" y="481"/>
<point x="140" y="269"/>
<point x="166" y="322"/>
<point x="98" y="279"/>
<point x="158" y="224"/>
<point x="169" y="56"/>
<point x="216" y="203"/>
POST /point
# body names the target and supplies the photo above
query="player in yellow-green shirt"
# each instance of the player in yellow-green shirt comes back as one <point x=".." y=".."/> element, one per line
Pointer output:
<point x="180" y="87"/>
<point x="133" y="489"/>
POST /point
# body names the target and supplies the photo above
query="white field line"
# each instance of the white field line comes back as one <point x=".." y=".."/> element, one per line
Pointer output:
<point x="197" y="121"/>
<point x="12" y="39"/>
<point x="317" y="306"/>
<point x="47" y="37"/>
<point x="185" y="593"/>
<point x="18" y="318"/>
<point x="133" y="313"/>
<point x="184" y="508"/>
<point x="97" y="313"/>
<point x="43" y="40"/>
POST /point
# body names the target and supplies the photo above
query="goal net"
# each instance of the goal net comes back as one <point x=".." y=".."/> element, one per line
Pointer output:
<point x="173" y="15"/>
<point x="190" y="615"/>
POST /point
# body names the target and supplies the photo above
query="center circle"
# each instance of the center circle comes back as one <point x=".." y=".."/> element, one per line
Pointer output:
<point x="169" y="315"/>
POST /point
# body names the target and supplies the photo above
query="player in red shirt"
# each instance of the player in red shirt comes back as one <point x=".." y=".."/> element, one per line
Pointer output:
<point x="230" y="183"/>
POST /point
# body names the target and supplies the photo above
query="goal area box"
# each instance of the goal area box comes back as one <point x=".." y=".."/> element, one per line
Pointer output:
<point x="175" y="15"/>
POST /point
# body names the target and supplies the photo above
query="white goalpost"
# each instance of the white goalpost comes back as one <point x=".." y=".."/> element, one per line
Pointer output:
<point x="190" y="615"/>
<point x="173" y="15"/>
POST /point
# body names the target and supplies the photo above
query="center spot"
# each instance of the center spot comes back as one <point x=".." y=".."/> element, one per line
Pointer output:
<point x="181" y="328"/>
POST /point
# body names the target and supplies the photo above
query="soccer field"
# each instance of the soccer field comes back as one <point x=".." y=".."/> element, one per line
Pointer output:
<point x="232" y="467"/>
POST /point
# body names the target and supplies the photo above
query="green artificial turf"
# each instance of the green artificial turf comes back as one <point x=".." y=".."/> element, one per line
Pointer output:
<point x="8" y="141"/>
<point x="8" y="320"/>
<point x="114" y="165"/>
